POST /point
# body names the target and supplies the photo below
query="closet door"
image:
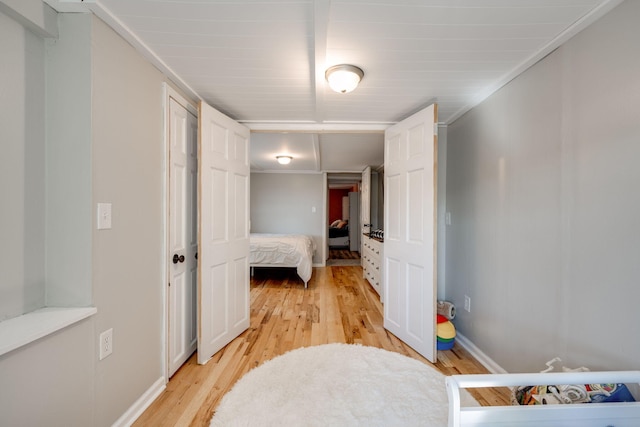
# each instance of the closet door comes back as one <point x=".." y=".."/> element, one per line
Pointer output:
<point x="183" y="238"/>
<point x="409" y="260"/>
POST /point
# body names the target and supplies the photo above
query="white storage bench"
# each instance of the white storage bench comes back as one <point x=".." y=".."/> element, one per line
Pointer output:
<point x="622" y="414"/>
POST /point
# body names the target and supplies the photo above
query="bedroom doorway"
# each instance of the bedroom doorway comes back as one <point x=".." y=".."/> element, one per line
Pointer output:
<point x="343" y="218"/>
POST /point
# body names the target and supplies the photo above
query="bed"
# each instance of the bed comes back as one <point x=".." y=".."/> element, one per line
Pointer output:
<point x="339" y="233"/>
<point x="282" y="250"/>
<point x="618" y="414"/>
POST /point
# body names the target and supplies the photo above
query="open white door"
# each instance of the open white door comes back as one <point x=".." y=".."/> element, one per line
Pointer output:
<point x="223" y="273"/>
<point x="410" y="231"/>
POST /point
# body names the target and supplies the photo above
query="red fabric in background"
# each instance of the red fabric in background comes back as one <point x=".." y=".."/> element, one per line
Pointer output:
<point x="335" y="203"/>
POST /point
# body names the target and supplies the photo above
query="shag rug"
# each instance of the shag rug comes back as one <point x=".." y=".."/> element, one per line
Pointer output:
<point x="338" y="385"/>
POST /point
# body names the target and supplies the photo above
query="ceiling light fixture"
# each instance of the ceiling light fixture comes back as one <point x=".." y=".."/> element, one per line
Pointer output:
<point x="284" y="160"/>
<point x="343" y="78"/>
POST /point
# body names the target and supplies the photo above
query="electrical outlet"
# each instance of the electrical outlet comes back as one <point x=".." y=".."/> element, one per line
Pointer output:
<point x="467" y="303"/>
<point x="106" y="343"/>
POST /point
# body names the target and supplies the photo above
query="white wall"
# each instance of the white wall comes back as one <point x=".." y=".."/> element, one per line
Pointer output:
<point x="542" y="186"/>
<point x="282" y="203"/>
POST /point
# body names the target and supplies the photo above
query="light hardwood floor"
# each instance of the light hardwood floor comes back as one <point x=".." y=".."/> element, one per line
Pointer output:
<point x="338" y="306"/>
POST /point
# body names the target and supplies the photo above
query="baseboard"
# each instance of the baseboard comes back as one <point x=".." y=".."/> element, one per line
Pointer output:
<point x="147" y="398"/>
<point x="480" y="356"/>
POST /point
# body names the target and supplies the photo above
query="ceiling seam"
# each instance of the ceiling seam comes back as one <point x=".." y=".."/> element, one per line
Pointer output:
<point x="321" y="10"/>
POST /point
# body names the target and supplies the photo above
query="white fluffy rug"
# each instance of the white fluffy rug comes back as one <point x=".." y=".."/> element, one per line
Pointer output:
<point x="338" y="385"/>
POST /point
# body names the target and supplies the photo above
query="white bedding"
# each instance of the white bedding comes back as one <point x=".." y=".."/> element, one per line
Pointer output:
<point x="282" y="250"/>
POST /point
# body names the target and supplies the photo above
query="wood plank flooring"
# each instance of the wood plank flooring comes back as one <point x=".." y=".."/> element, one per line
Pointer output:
<point x="338" y="306"/>
<point x="343" y="254"/>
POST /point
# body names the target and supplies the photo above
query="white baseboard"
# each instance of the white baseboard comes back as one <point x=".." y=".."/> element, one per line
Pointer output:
<point x="140" y="405"/>
<point x="480" y="356"/>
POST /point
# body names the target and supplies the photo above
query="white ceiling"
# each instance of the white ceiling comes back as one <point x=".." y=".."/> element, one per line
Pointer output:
<point x="317" y="152"/>
<point x="262" y="62"/>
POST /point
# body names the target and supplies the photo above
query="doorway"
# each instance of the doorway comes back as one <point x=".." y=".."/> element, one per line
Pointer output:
<point x="343" y="203"/>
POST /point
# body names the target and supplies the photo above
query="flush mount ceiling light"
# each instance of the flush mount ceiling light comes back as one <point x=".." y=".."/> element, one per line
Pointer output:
<point x="284" y="160"/>
<point x="343" y="78"/>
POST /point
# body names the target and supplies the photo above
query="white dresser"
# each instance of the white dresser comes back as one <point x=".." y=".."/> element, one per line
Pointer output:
<point x="372" y="262"/>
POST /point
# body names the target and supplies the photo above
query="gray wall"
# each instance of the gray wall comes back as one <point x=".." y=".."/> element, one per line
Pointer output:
<point x="127" y="171"/>
<point x="51" y="382"/>
<point x="542" y="186"/>
<point x="22" y="182"/>
<point x="282" y="203"/>
<point x="68" y="169"/>
<point x="105" y="122"/>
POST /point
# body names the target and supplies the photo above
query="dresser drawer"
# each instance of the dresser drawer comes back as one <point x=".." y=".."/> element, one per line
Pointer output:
<point x="372" y="262"/>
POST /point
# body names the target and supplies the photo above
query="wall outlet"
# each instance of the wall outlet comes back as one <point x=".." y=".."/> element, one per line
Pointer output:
<point x="106" y="343"/>
<point x="467" y="303"/>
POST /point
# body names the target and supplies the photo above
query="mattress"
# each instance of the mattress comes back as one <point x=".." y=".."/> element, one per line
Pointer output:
<point x="285" y="250"/>
<point x="338" y="232"/>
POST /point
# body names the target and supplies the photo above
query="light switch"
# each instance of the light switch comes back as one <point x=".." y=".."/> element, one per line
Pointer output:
<point x="313" y="209"/>
<point x="104" y="216"/>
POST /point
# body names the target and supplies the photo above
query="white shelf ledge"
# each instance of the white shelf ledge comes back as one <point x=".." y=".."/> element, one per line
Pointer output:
<point x="22" y="330"/>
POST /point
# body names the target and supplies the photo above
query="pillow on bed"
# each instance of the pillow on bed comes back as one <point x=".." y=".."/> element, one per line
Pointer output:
<point x="341" y="224"/>
<point x="335" y="223"/>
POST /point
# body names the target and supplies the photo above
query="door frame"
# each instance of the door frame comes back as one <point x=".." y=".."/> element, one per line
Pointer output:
<point x="326" y="190"/>
<point x="168" y="93"/>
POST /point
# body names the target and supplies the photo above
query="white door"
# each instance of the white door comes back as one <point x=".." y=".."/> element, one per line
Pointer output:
<point x="410" y="231"/>
<point x="223" y="275"/>
<point x="183" y="238"/>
